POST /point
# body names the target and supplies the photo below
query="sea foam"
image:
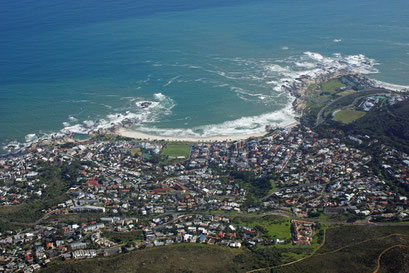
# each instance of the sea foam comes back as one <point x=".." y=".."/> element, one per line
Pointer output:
<point x="159" y="106"/>
<point x="255" y="80"/>
<point x="278" y="76"/>
<point x="241" y="126"/>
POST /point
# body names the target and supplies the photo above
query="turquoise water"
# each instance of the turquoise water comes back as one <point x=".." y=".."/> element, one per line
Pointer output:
<point x="206" y="68"/>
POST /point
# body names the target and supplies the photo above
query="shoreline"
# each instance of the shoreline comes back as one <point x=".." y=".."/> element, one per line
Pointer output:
<point x="298" y="90"/>
<point x="125" y="132"/>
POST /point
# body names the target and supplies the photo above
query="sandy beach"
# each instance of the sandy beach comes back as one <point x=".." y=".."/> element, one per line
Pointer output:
<point x="140" y="135"/>
<point x="220" y="138"/>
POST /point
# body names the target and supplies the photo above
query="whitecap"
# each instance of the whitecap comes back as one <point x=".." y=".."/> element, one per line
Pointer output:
<point x="305" y="64"/>
<point x="315" y="56"/>
<point x="75" y="129"/>
<point x="89" y="123"/>
<point x="171" y="81"/>
<point x="273" y="77"/>
<point x="244" y="125"/>
<point x="31" y="137"/>
<point x="162" y="105"/>
<point x="159" y="96"/>
<point x="146" y="104"/>
<point x="391" y="86"/>
<point x="276" y="68"/>
<point x="73" y="119"/>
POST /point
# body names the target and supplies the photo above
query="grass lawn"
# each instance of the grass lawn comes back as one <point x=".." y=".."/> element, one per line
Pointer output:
<point x="273" y="187"/>
<point x="276" y="227"/>
<point x="280" y="231"/>
<point x="347" y="92"/>
<point x="176" y="150"/>
<point x="348" y="116"/>
<point x="318" y="100"/>
<point x="332" y="85"/>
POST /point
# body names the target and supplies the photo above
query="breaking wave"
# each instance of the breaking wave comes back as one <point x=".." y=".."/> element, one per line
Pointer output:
<point x="161" y="105"/>
<point x="145" y="111"/>
<point x="275" y="77"/>
<point x="241" y="126"/>
<point x="264" y="81"/>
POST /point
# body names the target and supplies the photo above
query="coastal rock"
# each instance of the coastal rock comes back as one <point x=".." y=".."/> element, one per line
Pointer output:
<point x="45" y="142"/>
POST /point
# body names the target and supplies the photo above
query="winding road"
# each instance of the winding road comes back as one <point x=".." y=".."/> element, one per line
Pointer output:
<point x="374" y="91"/>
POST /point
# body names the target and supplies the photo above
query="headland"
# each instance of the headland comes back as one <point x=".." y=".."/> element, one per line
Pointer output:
<point x="299" y="90"/>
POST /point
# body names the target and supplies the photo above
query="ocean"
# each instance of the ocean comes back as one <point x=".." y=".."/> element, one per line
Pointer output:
<point x="204" y="67"/>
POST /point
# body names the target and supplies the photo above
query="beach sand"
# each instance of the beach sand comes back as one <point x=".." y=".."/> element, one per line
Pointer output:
<point x="139" y="135"/>
<point x="220" y="138"/>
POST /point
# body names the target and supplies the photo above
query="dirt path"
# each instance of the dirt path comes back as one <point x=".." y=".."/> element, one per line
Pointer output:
<point x="383" y="252"/>
<point x="293" y="262"/>
<point x="337" y="250"/>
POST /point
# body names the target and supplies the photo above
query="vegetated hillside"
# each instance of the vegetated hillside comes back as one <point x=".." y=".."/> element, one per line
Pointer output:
<point x="175" y="258"/>
<point x="346" y="249"/>
<point x="389" y="124"/>
<point x="357" y="249"/>
<point x="395" y="260"/>
<point x="58" y="179"/>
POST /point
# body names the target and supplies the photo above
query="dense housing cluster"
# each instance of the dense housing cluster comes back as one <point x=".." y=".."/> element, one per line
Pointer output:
<point x="132" y="189"/>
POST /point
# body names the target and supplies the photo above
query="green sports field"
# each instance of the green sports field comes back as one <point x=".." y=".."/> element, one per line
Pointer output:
<point x="176" y="150"/>
<point x="348" y="116"/>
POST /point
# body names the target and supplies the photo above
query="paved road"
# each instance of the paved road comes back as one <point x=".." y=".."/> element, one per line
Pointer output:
<point x="320" y="119"/>
<point x="177" y="215"/>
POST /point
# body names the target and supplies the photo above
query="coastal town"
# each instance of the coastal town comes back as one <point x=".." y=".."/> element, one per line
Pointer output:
<point x="114" y="185"/>
<point x="171" y="202"/>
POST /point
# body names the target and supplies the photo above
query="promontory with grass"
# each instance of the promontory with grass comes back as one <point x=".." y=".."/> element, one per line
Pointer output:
<point x="182" y="136"/>
<point x="296" y="199"/>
